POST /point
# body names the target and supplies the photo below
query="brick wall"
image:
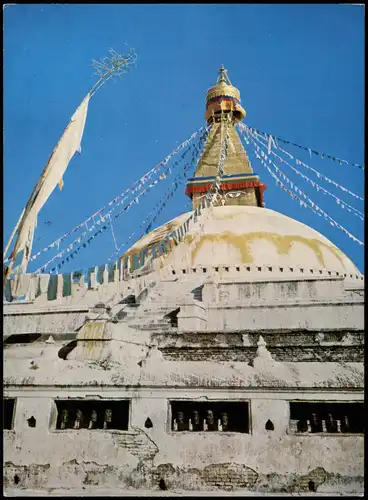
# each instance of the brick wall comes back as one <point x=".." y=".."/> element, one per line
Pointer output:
<point x="229" y="476"/>
<point x="282" y="354"/>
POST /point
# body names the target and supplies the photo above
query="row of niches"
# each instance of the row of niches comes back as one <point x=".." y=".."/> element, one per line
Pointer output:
<point x="265" y="269"/>
<point x="327" y="418"/>
<point x="200" y="416"/>
<point x="209" y="416"/>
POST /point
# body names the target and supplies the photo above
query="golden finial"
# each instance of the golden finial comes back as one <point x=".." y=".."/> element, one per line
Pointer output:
<point x="223" y="76"/>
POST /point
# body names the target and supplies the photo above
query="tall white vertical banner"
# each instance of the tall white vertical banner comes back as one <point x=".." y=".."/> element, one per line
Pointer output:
<point x="69" y="143"/>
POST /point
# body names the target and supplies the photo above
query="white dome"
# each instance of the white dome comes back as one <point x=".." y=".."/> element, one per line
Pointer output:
<point x="250" y="237"/>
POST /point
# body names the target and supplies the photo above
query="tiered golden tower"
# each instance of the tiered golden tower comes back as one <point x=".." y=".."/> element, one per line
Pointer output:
<point x="239" y="185"/>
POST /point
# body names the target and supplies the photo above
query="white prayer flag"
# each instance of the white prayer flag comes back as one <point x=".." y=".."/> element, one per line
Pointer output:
<point x="51" y="176"/>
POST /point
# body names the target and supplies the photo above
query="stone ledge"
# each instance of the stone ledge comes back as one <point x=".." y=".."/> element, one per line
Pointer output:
<point x="45" y="310"/>
<point x="294" y="303"/>
<point x="100" y="492"/>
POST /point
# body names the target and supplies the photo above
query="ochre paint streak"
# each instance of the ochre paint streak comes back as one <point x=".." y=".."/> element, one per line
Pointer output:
<point x="241" y="242"/>
<point x="282" y="243"/>
<point x="94" y="349"/>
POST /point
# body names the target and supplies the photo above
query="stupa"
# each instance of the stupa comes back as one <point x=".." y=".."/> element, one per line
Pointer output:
<point x="225" y="352"/>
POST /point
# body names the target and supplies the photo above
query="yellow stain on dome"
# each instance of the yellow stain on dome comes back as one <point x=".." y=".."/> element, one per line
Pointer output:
<point x="243" y="243"/>
<point x="283" y="244"/>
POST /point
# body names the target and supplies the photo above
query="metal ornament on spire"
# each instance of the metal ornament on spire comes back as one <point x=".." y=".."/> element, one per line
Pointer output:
<point x="112" y="67"/>
<point x="223" y="76"/>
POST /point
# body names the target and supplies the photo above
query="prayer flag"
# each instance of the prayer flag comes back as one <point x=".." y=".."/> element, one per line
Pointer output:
<point x="52" y="176"/>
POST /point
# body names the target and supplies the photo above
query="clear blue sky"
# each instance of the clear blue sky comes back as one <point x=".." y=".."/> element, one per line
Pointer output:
<point x="299" y="68"/>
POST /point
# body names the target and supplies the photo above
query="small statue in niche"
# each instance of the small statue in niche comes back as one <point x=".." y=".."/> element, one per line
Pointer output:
<point x="316" y="425"/>
<point x="181" y="421"/>
<point x="331" y="424"/>
<point x="93" y="420"/>
<point x="64" y="419"/>
<point x="345" y="427"/>
<point x="107" y="419"/>
<point x="190" y="424"/>
<point x="175" y="425"/>
<point x="78" y="422"/>
<point x="219" y="425"/>
<point x="302" y="426"/>
<point x="210" y="419"/>
<point x="224" y="421"/>
<point x="196" y="420"/>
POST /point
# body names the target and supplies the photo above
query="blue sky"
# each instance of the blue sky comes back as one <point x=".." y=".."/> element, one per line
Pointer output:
<point x="299" y="68"/>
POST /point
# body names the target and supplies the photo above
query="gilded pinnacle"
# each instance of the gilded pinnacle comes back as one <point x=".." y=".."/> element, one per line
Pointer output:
<point x="223" y="76"/>
<point x="223" y="96"/>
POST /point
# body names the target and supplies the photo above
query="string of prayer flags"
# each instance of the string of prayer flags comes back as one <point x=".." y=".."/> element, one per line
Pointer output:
<point x="311" y="151"/>
<point x="213" y="191"/>
<point x="141" y="225"/>
<point x="313" y="206"/>
<point x="308" y="167"/>
<point x="162" y="203"/>
<point x="121" y="198"/>
<point x="136" y="261"/>
<point x="135" y="200"/>
<point x="341" y="203"/>
<point x="160" y="247"/>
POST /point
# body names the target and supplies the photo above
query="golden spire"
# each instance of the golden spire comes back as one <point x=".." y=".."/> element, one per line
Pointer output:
<point x="223" y="97"/>
<point x="239" y="184"/>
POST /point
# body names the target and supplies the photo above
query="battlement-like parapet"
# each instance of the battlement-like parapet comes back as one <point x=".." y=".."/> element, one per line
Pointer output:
<point x="107" y="278"/>
<point x="79" y="287"/>
<point x="59" y="303"/>
<point x="30" y="287"/>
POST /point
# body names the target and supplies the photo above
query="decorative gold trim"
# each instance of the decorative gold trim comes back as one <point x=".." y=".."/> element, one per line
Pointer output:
<point x="222" y="90"/>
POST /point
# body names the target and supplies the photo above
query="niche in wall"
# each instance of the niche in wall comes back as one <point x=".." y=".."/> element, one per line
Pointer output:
<point x="9" y="413"/>
<point x="327" y="417"/>
<point x="92" y="414"/>
<point x="212" y="416"/>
